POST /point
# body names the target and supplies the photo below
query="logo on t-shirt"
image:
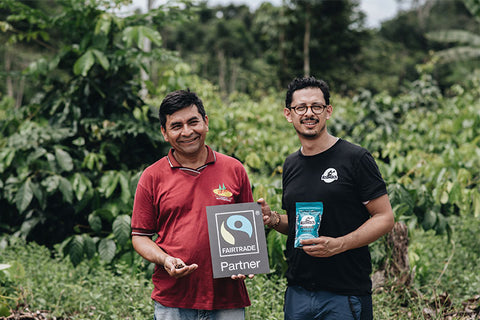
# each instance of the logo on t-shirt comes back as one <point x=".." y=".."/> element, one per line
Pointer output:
<point x="329" y="175"/>
<point x="222" y="193"/>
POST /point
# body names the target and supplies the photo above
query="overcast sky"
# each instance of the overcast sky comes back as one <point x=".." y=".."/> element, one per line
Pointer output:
<point x="376" y="10"/>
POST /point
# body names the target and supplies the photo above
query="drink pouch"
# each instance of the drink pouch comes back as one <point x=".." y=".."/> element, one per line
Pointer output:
<point x="308" y="219"/>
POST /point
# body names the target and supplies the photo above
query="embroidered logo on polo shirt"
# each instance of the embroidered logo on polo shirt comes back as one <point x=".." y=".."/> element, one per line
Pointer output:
<point x="329" y="175"/>
<point x="222" y="193"/>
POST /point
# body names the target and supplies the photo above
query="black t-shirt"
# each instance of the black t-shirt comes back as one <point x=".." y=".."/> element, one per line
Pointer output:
<point x="343" y="177"/>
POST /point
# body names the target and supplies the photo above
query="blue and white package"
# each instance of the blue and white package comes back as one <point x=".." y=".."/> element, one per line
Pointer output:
<point x="308" y="219"/>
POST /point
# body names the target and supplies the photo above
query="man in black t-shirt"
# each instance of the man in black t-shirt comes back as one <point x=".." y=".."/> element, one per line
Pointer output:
<point x="329" y="273"/>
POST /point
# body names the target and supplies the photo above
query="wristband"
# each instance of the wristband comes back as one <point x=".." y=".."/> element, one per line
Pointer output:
<point x="273" y="226"/>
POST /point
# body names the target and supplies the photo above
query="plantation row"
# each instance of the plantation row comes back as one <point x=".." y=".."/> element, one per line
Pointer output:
<point x="426" y="145"/>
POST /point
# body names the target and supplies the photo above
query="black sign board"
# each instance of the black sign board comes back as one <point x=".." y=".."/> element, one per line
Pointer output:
<point x="237" y="239"/>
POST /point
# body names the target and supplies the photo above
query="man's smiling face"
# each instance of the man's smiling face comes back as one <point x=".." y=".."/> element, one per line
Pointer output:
<point x="186" y="130"/>
<point x="308" y="125"/>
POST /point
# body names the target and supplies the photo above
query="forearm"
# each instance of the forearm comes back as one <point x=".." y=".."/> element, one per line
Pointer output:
<point x="380" y="222"/>
<point x="371" y="230"/>
<point x="149" y="250"/>
<point x="280" y="225"/>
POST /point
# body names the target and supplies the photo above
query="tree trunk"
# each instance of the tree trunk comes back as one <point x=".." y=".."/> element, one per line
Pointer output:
<point x="222" y="66"/>
<point x="234" y="69"/>
<point x="306" y="41"/>
<point x="399" y="266"/>
<point x="147" y="47"/>
<point x="8" y="67"/>
<point x="283" y="72"/>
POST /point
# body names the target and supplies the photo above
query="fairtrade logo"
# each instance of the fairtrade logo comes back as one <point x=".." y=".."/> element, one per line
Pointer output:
<point x="236" y="233"/>
<point x="238" y="223"/>
<point x="329" y="175"/>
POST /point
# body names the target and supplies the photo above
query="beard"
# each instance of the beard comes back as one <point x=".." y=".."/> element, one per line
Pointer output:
<point x="310" y="133"/>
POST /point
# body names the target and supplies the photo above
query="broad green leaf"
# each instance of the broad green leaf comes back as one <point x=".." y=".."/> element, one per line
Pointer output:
<point x="39" y="195"/>
<point x="103" y="23"/>
<point x="253" y="161"/>
<point x="6" y="158"/>
<point x="84" y="64"/>
<point x="121" y="229"/>
<point x="106" y="249"/>
<point x="108" y="183"/>
<point x="459" y="36"/>
<point x="5" y="26"/>
<point x="441" y="225"/>
<point x="89" y="246"/>
<point x="76" y="249"/>
<point x="104" y="214"/>
<point x="38" y="153"/>
<point x="138" y="34"/>
<point x="464" y="177"/>
<point x="476" y="203"/>
<point x="24" y="196"/>
<point x="125" y="195"/>
<point x="444" y="197"/>
<point x="89" y="161"/>
<point x="80" y="184"/>
<point x="102" y="59"/>
<point x="66" y="189"/>
<point x="29" y="224"/>
<point x="474" y="7"/>
<point x="95" y="222"/>
<point x="130" y="35"/>
<point x="64" y="159"/>
<point x="153" y="35"/>
<point x="429" y="219"/>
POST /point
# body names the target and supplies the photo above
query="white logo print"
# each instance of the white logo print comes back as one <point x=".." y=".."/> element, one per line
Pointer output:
<point x="330" y="175"/>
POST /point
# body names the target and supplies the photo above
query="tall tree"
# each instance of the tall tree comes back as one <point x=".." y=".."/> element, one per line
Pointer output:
<point x="469" y="42"/>
<point x="332" y="36"/>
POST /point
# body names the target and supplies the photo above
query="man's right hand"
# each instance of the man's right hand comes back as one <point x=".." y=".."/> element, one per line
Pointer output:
<point x="266" y="212"/>
<point x="177" y="268"/>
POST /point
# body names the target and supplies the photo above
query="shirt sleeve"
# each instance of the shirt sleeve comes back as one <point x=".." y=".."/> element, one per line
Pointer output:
<point x="369" y="179"/>
<point x="143" y="215"/>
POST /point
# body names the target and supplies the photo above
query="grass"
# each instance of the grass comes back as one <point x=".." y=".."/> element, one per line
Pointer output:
<point x="446" y="275"/>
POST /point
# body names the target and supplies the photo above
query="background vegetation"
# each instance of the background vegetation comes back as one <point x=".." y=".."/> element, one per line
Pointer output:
<point x="79" y="97"/>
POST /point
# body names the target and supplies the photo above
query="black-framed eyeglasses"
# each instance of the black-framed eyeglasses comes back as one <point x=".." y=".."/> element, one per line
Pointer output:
<point x="302" y="109"/>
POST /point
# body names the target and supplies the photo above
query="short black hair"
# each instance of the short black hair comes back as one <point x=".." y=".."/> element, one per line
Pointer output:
<point x="306" y="82"/>
<point x="178" y="100"/>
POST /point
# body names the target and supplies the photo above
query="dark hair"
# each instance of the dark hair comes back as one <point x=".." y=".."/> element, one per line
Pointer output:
<point x="178" y="100"/>
<point x="306" y="82"/>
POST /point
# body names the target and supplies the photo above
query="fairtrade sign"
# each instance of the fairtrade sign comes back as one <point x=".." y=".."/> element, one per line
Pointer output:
<point x="237" y="239"/>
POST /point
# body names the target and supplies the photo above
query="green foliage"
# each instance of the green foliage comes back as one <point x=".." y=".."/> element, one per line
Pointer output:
<point x="442" y="268"/>
<point x="266" y="295"/>
<point x="469" y="42"/>
<point x="88" y="291"/>
<point x="70" y="158"/>
<point x="94" y="290"/>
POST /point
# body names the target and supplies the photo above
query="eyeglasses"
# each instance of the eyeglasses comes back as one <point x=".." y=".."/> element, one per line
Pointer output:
<point x="302" y="109"/>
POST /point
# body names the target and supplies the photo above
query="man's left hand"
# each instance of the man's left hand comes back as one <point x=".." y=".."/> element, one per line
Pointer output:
<point x="322" y="247"/>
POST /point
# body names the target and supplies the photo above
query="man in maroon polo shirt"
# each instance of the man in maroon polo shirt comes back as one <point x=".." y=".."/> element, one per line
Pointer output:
<point x="170" y="202"/>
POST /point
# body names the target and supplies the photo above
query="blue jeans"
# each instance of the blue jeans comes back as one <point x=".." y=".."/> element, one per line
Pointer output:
<point x="166" y="313"/>
<point x="301" y="304"/>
